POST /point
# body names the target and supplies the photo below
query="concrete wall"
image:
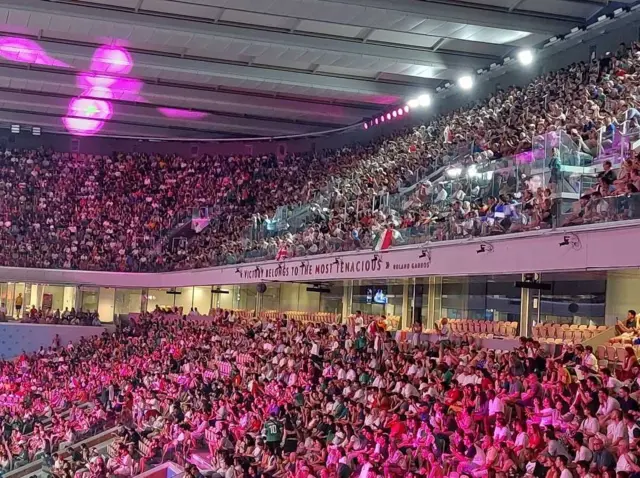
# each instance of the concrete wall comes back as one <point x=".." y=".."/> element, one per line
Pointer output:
<point x="16" y="338"/>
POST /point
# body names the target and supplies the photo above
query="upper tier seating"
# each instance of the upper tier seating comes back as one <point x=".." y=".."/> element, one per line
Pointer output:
<point x="115" y="212"/>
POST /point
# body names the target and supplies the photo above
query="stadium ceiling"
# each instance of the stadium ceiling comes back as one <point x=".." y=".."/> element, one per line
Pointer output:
<point x="264" y="67"/>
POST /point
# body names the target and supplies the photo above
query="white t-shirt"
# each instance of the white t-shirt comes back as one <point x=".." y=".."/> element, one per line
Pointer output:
<point x="522" y="440"/>
<point x="583" y="453"/>
<point x="566" y="473"/>
<point x="444" y="332"/>
<point x="442" y="195"/>
<point x="591" y="362"/>
<point x="617" y="431"/>
<point x="495" y="406"/>
<point x="623" y="464"/>
<point x="610" y="405"/>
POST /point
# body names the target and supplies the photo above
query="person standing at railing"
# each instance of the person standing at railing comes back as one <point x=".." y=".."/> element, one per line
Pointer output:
<point x="555" y="165"/>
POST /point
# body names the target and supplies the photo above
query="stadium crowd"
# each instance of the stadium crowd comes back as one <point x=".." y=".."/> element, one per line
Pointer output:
<point x="235" y="396"/>
<point x="115" y="212"/>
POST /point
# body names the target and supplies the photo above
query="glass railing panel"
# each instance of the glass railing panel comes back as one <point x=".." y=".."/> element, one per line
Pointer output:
<point x="447" y="222"/>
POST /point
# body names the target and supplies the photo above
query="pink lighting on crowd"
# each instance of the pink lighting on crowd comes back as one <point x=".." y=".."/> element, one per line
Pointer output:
<point x="177" y="113"/>
<point x="27" y="51"/>
<point x="115" y="60"/>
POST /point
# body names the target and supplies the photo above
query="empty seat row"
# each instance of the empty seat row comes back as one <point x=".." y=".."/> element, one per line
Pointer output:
<point x="483" y="327"/>
<point x="299" y="316"/>
<point x="574" y="333"/>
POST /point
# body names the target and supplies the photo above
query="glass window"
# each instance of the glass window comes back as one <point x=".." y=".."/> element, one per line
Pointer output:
<point x="53" y="297"/>
<point x="106" y="304"/>
<point x="481" y="298"/>
<point x="419" y="297"/>
<point x="158" y="297"/>
<point x="271" y="297"/>
<point x="89" y="299"/>
<point x="378" y="297"/>
<point x="184" y="299"/>
<point x="128" y="301"/>
<point x="226" y="301"/>
<point x="572" y="298"/>
<point x="202" y="299"/>
<point x="289" y="298"/>
<point x="246" y="297"/>
<point x="332" y="301"/>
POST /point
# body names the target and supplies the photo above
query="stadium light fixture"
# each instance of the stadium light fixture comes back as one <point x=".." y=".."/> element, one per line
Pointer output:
<point x="525" y="57"/>
<point x="424" y="100"/>
<point x="400" y="111"/>
<point x="465" y="82"/>
<point x="36" y="131"/>
<point x="406" y="108"/>
<point x="413" y="103"/>
<point x="394" y="113"/>
<point x="366" y="126"/>
<point x="15" y="128"/>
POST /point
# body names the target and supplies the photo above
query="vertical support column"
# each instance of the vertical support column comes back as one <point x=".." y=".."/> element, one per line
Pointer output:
<point x="525" y="302"/>
<point x="434" y="302"/>
<point x="78" y="301"/>
<point x="405" y="320"/>
<point x="347" y="299"/>
<point x="259" y="297"/>
<point x="144" y="300"/>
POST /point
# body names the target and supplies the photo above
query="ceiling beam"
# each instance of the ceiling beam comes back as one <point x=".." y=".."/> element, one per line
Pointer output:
<point x="189" y="96"/>
<point x="474" y="14"/>
<point x="139" y="116"/>
<point x="295" y="39"/>
<point x="53" y="123"/>
<point x="150" y="64"/>
<point x="151" y="109"/>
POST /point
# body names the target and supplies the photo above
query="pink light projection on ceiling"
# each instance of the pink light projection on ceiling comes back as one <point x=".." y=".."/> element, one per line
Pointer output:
<point x="86" y="116"/>
<point x="106" y="80"/>
<point x="88" y="113"/>
<point x="128" y="89"/>
<point x="27" y="51"/>
<point x="114" y="60"/>
<point x="177" y="113"/>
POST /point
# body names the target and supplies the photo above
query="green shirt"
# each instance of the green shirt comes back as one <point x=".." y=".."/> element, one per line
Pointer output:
<point x="365" y="378"/>
<point x="273" y="430"/>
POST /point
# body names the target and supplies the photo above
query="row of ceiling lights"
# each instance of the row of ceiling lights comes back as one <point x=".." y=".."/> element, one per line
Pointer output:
<point x="466" y="82"/>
